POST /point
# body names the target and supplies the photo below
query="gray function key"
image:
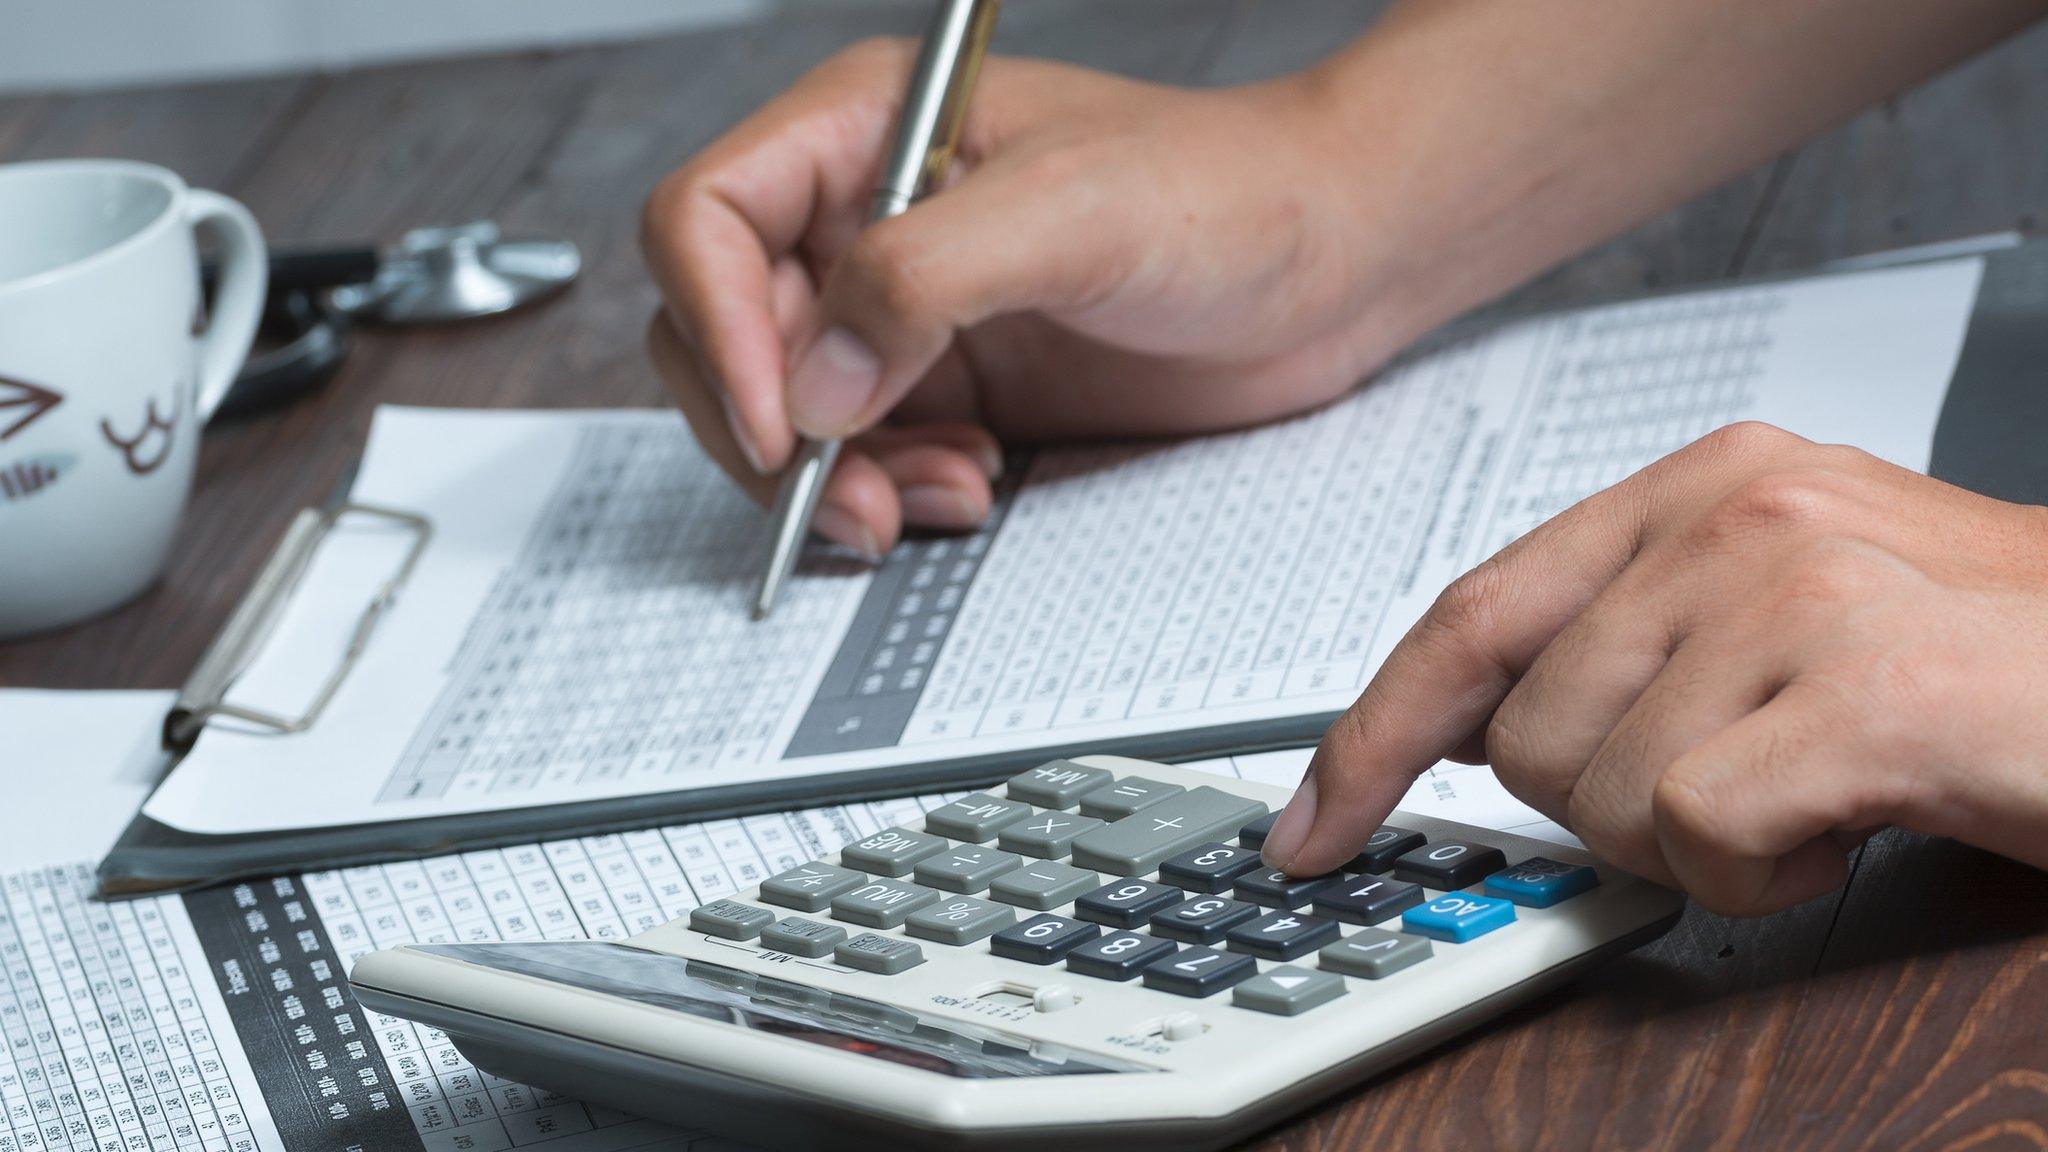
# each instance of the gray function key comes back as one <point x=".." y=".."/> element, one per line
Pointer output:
<point x="1374" y="953"/>
<point x="1057" y="783"/>
<point x="1043" y="884"/>
<point x="1136" y="844"/>
<point x="881" y="903"/>
<point x="800" y="937"/>
<point x="890" y="852"/>
<point x="730" y="919"/>
<point x="1119" y="798"/>
<point x="1287" y="990"/>
<point x="884" y="954"/>
<point x="965" y="868"/>
<point x="959" y="920"/>
<point x="975" y="819"/>
<point x="809" y="887"/>
<point x="1046" y="835"/>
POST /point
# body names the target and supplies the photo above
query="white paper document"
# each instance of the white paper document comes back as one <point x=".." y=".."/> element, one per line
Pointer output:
<point x="579" y="627"/>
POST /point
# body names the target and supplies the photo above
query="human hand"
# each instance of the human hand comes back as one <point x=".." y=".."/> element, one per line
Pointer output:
<point x="1114" y="258"/>
<point x="1725" y="672"/>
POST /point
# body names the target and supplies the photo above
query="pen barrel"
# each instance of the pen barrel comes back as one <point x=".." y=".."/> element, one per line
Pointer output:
<point x="935" y="103"/>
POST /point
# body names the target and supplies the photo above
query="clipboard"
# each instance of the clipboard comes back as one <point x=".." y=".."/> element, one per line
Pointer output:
<point x="1986" y="439"/>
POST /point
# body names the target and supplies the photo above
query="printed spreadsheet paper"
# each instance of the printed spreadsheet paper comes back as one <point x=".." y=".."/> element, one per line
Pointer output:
<point x="222" y="1021"/>
<point x="579" y="627"/>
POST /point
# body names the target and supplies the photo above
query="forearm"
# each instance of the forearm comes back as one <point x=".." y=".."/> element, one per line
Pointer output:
<point x="1508" y="136"/>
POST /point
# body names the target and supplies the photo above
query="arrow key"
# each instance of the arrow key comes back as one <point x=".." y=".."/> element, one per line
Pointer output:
<point x="1287" y="990"/>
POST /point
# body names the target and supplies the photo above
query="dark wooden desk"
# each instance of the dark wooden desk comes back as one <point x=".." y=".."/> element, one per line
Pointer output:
<point x="1905" y="1012"/>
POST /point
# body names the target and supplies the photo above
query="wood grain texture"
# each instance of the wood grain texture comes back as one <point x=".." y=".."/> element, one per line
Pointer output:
<point x="1902" y="1013"/>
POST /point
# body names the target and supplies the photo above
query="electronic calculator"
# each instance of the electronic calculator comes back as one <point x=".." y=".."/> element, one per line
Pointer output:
<point x="1090" y="956"/>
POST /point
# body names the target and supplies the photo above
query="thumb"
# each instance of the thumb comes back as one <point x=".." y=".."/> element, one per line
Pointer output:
<point x="891" y="304"/>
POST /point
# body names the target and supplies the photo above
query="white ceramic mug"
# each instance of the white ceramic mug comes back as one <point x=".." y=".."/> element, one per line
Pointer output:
<point x="107" y="375"/>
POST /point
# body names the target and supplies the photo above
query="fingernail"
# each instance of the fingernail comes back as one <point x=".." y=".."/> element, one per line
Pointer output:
<point x="740" y="435"/>
<point x="832" y="384"/>
<point x="937" y="506"/>
<point x="843" y="527"/>
<point x="1290" y="831"/>
<point x="991" y="460"/>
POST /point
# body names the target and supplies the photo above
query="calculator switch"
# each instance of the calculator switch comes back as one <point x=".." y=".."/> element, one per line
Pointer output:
<point x="958" y="920"/>
<point x="730" y="920"/>
<point x="1287" y="990"/>
<point x="882" y="903"/>
<point x="1202" y="919"/>
<point x="965" y="868"/>
<point x="886" y="955"/>
<point x="1181" y="1026"/>
<point x="1386" y="845"/>
<point x="1540" y="882"/>
<point x="1126" y="903"/>
<point x="1198" y="972"/>
<point x="1139" y="843"/>
<point x="800" y="937"/>
<point x="1365" y="899"/>
<point x="1449" y="864"/>
<point x="1042" y="939"/>
<point x="1273" y="888"/>
<point x="1253" y="835"/>
<point x="1118" y="956"/>
<point x="810" y="887"/>
<point x="1209" y="868"/>
<point x="1456" y="917"/>
<point x="1057" y="784"/>
<point x="1054" y="998"/>
<point x="976" y="818"/>
<point x="1119" y="798"/>
<point x="1374" y="953"/>
<point x="891" y="852"/>
<point x="1047" y="835"/>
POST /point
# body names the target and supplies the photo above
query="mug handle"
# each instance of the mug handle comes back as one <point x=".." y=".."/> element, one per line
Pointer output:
<point x="237" y="301"/>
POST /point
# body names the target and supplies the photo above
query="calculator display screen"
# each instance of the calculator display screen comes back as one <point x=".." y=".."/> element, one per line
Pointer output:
<point x="778" y="1007"/>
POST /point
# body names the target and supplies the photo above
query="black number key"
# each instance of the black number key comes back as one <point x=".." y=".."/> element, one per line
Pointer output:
<point x="1126" y="903"/>
<point x="1365" y="899"/>
<point x="1210" y="868"/>
<point x="1254" y="834"/>
<point x="1042" y="939"/>
<point x="1276" y="889"/>
<point x="1282" y="935"/>
<point x="1117" y="956"/>
<point x="1384" y="847"/>
<point x="1202" y="920"/>
<point x="1449" y="864"/>
<point x="1199" y="972"/>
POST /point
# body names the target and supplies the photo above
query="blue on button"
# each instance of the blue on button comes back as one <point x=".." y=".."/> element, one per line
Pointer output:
<point x="1456" y="917"/>
<point x="1539" y="882"/>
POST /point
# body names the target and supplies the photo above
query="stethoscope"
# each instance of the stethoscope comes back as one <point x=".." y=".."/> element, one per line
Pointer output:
<point x="431" y="276"/>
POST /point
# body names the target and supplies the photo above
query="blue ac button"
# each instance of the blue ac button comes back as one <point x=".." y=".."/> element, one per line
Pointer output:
<point x="1456" y="917"/>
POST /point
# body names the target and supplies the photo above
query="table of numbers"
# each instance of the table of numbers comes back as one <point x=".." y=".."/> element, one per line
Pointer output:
<point x="108" y="1042"/>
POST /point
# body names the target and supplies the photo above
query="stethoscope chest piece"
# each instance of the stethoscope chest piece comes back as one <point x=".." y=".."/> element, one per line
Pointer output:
<point x="436" y="275"/>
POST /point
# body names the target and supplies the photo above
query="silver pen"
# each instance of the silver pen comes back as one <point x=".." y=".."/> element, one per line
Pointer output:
<point x="926" y="131"/>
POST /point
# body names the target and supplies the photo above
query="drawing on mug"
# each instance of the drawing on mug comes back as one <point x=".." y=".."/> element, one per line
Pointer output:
<point x="33" y="400"/>
<point x="139" y="460"/>
<point x="24" y="478"/>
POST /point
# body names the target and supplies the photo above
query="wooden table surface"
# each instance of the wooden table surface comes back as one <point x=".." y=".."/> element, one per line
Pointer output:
<point x="1909" y="1011"/>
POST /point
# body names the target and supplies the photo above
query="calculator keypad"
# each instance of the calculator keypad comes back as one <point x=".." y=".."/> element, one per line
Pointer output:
<point x="1189" y="913"/>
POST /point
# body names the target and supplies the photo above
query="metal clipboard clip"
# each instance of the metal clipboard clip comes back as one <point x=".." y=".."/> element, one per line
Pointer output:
<point x="204" y="695"/>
